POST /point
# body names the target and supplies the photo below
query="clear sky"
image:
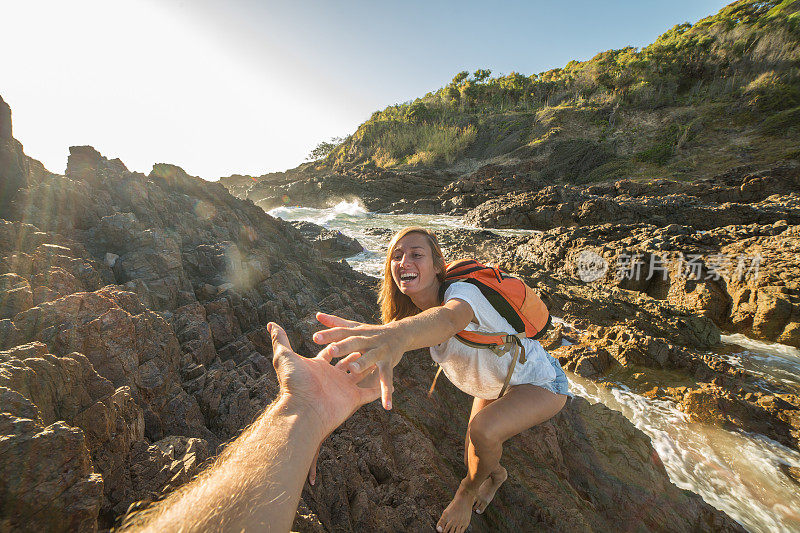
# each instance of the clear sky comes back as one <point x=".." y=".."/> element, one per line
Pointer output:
<point x="251" y="86"/>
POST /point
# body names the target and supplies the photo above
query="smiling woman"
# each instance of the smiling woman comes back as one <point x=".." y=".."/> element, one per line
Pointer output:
<point x="420" y="260"/>
<point x="421" y="308"/>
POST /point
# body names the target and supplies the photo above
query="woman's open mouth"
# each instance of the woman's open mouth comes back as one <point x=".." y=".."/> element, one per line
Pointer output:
<point x="408" y="277"/>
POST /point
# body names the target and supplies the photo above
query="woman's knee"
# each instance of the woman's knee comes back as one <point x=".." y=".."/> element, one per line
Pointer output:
<point x="483" y="433"/>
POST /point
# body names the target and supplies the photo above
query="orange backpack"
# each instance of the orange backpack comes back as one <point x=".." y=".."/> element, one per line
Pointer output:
<point x="512" y="298"/>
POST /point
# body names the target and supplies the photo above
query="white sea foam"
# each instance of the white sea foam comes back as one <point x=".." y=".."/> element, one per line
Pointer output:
<point x="565" y="323"/>
<point x="766" y="348"/>
<point x="777" y="364"/>
<point x="343" y="210"/>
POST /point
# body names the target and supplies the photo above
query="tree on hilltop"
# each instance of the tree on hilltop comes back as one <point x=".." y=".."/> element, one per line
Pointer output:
<point x="459" y="78"/>
<point x="324" y="148"/>
<point x="481" y="74"/>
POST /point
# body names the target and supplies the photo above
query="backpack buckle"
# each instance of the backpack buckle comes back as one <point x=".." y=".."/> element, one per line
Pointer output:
<point x="511" y="340"/>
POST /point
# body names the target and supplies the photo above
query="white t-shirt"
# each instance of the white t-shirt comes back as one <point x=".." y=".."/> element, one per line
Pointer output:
<point x="478" y="371"/>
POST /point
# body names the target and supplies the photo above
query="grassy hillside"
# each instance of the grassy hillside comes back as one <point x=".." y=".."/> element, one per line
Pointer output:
<point x="700" y="99"/>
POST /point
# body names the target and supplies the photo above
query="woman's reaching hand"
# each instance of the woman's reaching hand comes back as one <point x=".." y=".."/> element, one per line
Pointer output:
<point x="362" y="346"/>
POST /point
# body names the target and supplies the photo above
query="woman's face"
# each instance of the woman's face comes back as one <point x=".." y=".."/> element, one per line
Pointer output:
<point x="412" y="265"/>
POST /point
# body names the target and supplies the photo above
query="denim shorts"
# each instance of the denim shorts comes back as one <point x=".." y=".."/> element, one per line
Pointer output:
<point x="559" y="385"/>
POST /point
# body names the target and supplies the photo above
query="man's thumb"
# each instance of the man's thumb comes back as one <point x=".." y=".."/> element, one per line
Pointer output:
<point x="280" y="341"/>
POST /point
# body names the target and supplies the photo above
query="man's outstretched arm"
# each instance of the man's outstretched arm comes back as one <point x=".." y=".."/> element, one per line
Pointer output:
<point x="255" y="484"/>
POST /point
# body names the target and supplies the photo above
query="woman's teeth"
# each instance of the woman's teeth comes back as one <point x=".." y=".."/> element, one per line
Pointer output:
<point x="408" y="277"/>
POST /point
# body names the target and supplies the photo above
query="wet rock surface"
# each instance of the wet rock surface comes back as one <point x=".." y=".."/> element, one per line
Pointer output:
<point x="133" y="345"/>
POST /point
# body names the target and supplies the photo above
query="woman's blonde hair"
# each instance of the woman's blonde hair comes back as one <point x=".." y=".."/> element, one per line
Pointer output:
<point x="394" y="304"/>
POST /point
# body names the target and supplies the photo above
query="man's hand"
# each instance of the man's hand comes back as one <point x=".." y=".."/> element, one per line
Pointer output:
<point x="314" y="386"/>
<point x="363" y="347"/>
<point x="255" y="483"/>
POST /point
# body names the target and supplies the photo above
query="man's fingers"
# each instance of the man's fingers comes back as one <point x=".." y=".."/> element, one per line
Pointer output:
<point x="333" y="321"/>
<point x="387" y="387"/>
<point x="344" y="363"/>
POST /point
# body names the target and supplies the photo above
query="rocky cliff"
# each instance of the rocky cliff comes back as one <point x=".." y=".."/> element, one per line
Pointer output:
<point x="132" y="346"/>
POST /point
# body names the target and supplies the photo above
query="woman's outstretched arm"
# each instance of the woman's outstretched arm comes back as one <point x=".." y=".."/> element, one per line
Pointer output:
<point x="383" y="345"/>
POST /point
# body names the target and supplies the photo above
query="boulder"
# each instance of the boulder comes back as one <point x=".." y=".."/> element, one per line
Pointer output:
<point x="330" y="243"/>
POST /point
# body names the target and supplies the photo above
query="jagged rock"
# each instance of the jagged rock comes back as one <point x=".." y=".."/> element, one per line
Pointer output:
<point x="194" y="333"/>
<point x="164" y="466"/>
<point x="47" y="482"/>
<point x="67" y="390"/>
<point x="86" y="164"/>
<point x="15" y="295"/>
<point x="226" y="263"/>
<point x="332" y="244"/>
<point x="14" y="165"/>
<point x="5" y="120"/>
<point x="769" y="414"/>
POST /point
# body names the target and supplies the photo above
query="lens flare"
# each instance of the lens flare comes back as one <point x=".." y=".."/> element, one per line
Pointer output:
<point x="204" y="209"/>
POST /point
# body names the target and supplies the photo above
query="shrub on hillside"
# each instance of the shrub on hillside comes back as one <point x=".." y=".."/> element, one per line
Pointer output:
<point x="769" y="93"/>
<point x="782" y="123"/>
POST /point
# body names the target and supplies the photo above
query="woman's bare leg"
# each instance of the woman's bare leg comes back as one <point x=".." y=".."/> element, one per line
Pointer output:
<point x="477" y="405"/>
<point x="522" y="407"/>
<point x="489" y="487"/>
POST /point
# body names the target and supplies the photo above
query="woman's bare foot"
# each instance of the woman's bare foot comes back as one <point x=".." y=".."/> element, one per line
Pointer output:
<point x="455" y="519"/>
<point x="489" y="488"/>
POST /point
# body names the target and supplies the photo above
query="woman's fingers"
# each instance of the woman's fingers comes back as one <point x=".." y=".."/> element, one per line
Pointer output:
<point x="367" y="378"/>
<point x="333" y="321"/>
<point x="387" y="387"/>
<point x="346" y="347"/>
<point x="369" y="394"/>
<point x="362" y="365"/>
<point x="327" y="336"/>
<point x="369" y="386"/>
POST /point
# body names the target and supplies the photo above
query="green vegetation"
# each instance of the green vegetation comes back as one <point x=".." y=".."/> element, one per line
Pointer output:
<point x="783" y="123"/>
<point x="323" y="149"/>
<point x="622" y="113"/>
